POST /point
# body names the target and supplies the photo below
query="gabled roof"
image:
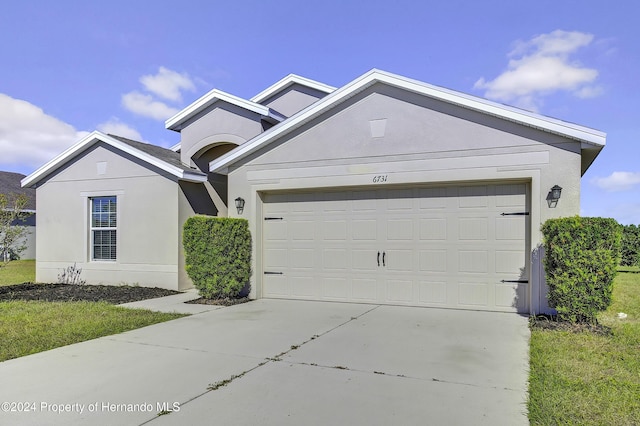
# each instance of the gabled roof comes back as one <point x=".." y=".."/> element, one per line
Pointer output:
<point x="10" y="184"/>
<point x="591" y="139"/>
<point x="164" y="159"/>
<point x="176" y="122"/>
<point x="290" y="80"/>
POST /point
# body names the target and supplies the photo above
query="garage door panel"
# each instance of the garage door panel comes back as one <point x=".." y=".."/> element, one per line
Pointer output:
<point x="510" y="263"/>
<point x="302" y="259"/>
<point x="276" y="258"/>
<point x="473" y="293"/>
<point x="364" y="289"/>
<point x="433" y="260"/>
<point x="444" y="246"/>
<point x="364" y="230"/>
<point x="433" y="229"/>
<point x="334" y="230"/>
<point x="511" y="295"/>
<point x="303" y="286"/>
<point x="335" y="259"/>
<point x="510" y="228"/>
<point x="303" y="230"/>
<point x="335" y="288"/>
<point x="276" y="231"/>
<point x="513" y="195"/>
<point x="432" y="292"/>
<point x="472" y="228"/>
<point x="400" y="230"/>
<point x="400" y="291"/>
<point x="399" y="260"/>
<point x="432" y="198"/>
<point x="276" y="286"/>
<point x="472" y="196"/>
<point x="364" y="259"/>
<point x="473" y="261"/>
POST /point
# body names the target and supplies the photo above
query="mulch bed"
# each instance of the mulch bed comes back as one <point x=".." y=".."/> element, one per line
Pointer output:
<point x="551" y="322"/>
<point x="74" y="293"/>
<point x="223" y="302"/>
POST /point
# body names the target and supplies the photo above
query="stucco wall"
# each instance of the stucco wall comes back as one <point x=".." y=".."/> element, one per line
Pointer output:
<point x="147" y="235"/>
<point x="293" y="99"/>
<point x="222" y="123"/>
<point x="423" y="141"/>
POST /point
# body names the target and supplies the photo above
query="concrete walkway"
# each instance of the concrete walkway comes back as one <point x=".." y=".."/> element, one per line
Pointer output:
<point x="173" y="304"/>
<point x="277" y="362"/>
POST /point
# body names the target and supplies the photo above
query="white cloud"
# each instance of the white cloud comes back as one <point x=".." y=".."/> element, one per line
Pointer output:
<point x="29" y="137"/>
<point x="168" y="84"/>
<point x="542" y="66"/>
<point x="147" y="106"/>
<point x="116" y="127"/>
<point x="617" y="181"/>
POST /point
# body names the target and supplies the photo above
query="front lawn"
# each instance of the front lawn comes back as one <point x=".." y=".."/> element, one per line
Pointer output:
<point x="18" y="272"/>
<point x="590" y="378"/>
<point x="27" y="327"/>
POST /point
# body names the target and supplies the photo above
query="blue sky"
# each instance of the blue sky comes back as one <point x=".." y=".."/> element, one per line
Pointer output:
<point x="70" y="67"/>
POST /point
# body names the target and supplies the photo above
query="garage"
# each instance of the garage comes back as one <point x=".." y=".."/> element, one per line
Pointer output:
<point x="450" y="246"/>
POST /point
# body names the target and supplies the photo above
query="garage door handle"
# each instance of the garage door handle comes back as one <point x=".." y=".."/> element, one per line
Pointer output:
<point x="383" y="255"/>
<point x="378" y="258"/>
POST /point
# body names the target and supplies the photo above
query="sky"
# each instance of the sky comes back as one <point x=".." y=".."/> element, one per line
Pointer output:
<point x="123" y="67"/>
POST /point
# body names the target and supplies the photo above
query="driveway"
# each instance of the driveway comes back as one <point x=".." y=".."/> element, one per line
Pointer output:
<point x="278" y="362"/>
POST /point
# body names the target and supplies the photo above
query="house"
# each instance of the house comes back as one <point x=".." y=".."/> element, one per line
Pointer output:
<point x="386" y="190"/>
<point x="10" y="186"/>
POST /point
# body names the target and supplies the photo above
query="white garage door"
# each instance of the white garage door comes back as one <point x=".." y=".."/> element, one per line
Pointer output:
<point x="454" y="247"/>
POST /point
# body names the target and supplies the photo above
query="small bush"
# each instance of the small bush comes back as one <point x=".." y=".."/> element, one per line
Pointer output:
<point x="218" y="255"/>
<point x="630" y="255"/>
<point x="71" y="275"/>
<point x="581" y="256"/>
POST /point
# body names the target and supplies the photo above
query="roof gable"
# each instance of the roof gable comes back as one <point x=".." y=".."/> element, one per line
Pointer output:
<point x="591" y="139"/>
<point x="177" y="121"/>
<point x="164" y="159"/>
<point x="288" y="81"/>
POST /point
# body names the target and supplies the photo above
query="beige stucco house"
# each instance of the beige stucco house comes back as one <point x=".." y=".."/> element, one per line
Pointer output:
<point x="386" y="190"/>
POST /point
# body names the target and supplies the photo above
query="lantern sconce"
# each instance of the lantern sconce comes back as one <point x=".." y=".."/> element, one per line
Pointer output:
<point x="554" y="196"/>
<point x="240" y="205"/>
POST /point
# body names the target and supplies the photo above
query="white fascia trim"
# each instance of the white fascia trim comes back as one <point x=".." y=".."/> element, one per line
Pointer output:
<point x="574" y="131"/>
<point x="289" y="80"/>
<point x="95" y="137"/>
<point x="214" y="95"/>
<point x="176" y="147"/>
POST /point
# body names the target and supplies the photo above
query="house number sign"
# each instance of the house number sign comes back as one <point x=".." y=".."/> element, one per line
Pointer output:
<point x="380" y="179"/>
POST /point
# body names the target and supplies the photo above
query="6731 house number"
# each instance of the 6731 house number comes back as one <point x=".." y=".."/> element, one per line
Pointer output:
<point x="380" y="179"/>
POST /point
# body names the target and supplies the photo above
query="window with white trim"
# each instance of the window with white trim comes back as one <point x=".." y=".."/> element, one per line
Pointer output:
<point x="103" y="228"/>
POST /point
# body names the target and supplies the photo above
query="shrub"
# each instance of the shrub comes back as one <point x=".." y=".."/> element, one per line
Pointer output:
<point x="581" y="256"/>
<point x="630" y="255"/>
<point x="218" y="255"/>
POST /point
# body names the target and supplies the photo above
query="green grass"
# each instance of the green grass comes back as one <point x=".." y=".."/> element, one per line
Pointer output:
<point x="583" y="378"/>
<point x="27" y="327"/>
<point x="18" y="272"/>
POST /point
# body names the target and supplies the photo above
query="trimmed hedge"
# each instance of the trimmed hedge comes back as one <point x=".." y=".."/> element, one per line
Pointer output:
<point x="217" y="255"/>
<point x="581" y="256"/>
<point x="630" y="245"/>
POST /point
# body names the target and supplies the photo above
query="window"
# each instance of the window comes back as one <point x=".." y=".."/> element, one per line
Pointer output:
<point x="103" y="228"/>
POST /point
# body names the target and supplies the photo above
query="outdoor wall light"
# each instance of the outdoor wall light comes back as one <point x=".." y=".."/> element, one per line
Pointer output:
<point x="554" y="196"/>
<point x="240" y="205"/>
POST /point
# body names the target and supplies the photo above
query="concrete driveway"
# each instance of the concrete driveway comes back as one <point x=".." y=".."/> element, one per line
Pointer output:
<point x="277" y="362"/>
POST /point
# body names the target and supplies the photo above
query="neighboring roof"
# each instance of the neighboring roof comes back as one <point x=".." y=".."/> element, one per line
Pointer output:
<point x="163" y="158"/>
<point x="591" y="139"/>
<point x="10" y="184"/>
<point x="290" y="80"/>
<point x="176" y="122"/>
